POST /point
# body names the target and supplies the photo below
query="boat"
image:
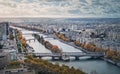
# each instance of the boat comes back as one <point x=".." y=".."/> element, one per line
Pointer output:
<point x="65" y="58"/>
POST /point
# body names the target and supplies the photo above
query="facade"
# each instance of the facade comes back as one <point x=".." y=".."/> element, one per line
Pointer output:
<point x="4" y="31"/>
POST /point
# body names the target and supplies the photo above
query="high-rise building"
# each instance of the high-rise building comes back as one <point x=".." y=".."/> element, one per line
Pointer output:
<point x="4" y="31"/>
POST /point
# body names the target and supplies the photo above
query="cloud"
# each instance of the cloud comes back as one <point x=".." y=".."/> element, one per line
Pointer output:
<point x="89" y="2"/>
<point x="59" y="8"/>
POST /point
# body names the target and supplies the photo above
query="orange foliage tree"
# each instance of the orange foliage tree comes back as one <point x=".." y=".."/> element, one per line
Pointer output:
<point x="23" y="42"/>
<point x="48" y="44"/>
<point x="61" y="36"/>
<point x="55" y="48"/>
<point x="19" y="36"/>
<point x="112" y="54"/>
<point x="77" y="43"/>
<point x="98" y="50"/>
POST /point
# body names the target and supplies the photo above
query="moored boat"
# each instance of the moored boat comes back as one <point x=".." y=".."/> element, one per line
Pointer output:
<point x="65" y="58"/>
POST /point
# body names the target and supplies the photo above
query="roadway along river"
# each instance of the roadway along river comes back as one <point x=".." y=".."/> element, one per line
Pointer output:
<point x="99" y="66"/>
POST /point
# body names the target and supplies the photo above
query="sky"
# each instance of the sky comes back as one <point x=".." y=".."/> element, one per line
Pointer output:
<point x="60" y="8"/>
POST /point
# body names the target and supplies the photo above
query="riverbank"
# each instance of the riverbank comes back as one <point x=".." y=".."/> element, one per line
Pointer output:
<point x="105" y="59"/>
<point x="72" y="44"/>
<point x="112" y="62"/>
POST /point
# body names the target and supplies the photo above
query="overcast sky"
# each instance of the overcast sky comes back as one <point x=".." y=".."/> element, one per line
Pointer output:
<point x="60" y="8"/>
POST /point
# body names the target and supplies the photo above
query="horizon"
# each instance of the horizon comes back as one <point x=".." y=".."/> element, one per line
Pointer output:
<point x="39" y="19"/>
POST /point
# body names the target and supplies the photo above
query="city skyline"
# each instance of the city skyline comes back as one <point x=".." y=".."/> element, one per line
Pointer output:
<point x="60" y="8"/>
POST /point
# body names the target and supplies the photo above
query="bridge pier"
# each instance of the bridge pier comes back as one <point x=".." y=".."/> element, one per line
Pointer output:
<point x="60" y="58"/>
<point x="40" y="57"/>
<point x="94" y="57"/>
<point x="53" y="58"/>
<point x="76" y="58"/>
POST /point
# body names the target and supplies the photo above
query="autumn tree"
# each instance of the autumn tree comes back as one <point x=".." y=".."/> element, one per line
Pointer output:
<point x="55" y="48"/>
<point x="11" y="37"/>
<point x="108" y="54"/>
<point x="44" y="67"/>
<point x="112" y="54"/>
<point x="23" y="42"/>
<point x="98" y="50"/>
<point x="19" y="36"/>
<point x="77" y="43"/>
<point x="48" y="44"/>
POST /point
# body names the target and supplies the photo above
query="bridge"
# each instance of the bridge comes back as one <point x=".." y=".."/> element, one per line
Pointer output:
<point x="70" y="54"/>
<point x="28" y="32"/>
<point x="31" y="40"/>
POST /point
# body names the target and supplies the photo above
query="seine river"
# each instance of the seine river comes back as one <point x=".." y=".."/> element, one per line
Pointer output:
<point x="98" y="66"/>
<point x="87" y="65"/>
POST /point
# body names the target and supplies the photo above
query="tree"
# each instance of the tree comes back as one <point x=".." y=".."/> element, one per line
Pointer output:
<point x="19" y="36"/>
<point x="23" y="42"/>
<point x="48" y="44"/>
<point x="114" y="57"/>
<point x="77" y="43"/>
<point x="19" y="47"/>
<point x="93" y="48"/>
<point x="108" y="49"/>
<point x="55" y="48"/>
<point x="98" y="50"/>
<point x="108" y="54"/>
<point x="118" y="56"/>
<point x="11" y="37"/>
<point x="45" y="67"/>
<point x="85" y="46"/>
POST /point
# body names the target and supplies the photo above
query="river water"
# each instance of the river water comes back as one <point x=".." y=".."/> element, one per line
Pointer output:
<point x="64" y="47"/>
<point x="87" y="65"/>
<point x="99" y="66"/>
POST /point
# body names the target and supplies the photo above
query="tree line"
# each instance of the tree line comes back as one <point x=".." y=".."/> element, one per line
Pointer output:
<point x="47" y="44"/>
<point x="44" y="67"/>
<point x="88" y="46"/>
<point x="22" y="40"/>
<point x="62" y="36"/>
<point x="113" y="55"/>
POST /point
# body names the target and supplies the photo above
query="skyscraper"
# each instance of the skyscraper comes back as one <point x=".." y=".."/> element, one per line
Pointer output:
<point x="4" y="31"/>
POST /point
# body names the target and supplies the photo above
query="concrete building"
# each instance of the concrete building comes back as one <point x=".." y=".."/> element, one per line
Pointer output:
<point x="4" y="31"/>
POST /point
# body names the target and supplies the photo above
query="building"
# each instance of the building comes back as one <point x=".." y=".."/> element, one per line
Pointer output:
<point x="12" y="54"/>
<point x="4" y="31"/>
<point x="4" y="59"/>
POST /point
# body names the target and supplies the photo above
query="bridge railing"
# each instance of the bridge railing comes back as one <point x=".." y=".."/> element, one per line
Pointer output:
<point x="30" y="39"/>
<point x="42" y="54"/>
<point x="73" y="53"/>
